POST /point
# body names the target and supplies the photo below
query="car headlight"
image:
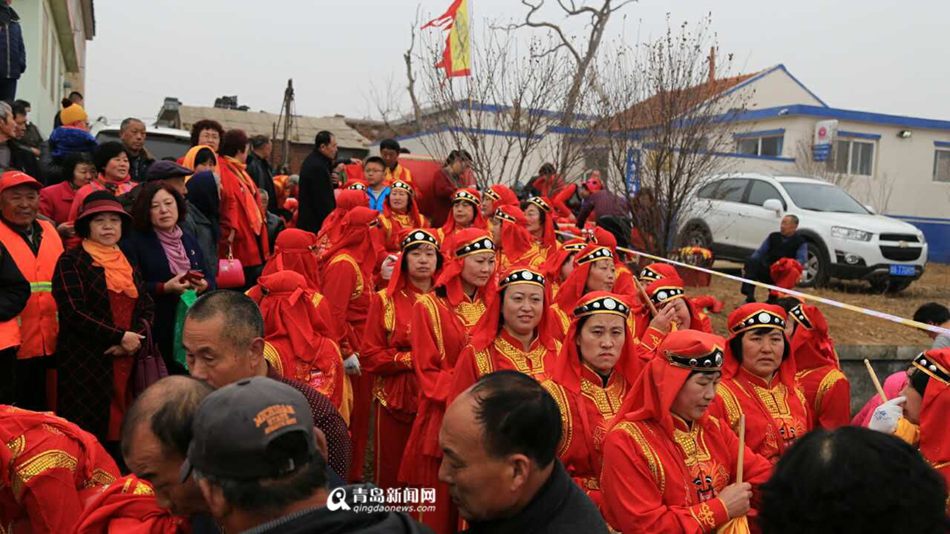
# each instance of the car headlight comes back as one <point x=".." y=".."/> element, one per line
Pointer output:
<point x="843" y="232"/>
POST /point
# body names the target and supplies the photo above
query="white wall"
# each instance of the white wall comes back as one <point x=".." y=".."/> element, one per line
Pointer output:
<point x="41" y="85"/>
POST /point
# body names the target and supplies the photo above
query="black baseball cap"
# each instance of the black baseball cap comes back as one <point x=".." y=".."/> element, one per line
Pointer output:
<point x="236" y="428"/>
<point x="166" y="170"/>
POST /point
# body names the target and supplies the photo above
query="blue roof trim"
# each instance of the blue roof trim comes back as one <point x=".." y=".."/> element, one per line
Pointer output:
<point x="858" y="135"/>
<point x="840" y="114"/>
<point x="942" y="144"/>
<point x="761" y="133"/>
<point x="650" y="146"/>
<point x="765" y="73"/>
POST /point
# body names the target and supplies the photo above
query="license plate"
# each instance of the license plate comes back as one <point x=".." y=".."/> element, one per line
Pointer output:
<point x="903" y="270"/>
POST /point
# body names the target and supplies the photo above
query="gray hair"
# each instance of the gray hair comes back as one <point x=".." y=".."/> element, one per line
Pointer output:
<point x="128" y="122"/>
<point x="794" y="218"/>
<point x="5" y="110"/>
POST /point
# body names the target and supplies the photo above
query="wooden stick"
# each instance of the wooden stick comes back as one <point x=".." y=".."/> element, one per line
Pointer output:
<point x="877" y="383"/>
<point x="739" y="466"/>
<point x="643" y="294"/>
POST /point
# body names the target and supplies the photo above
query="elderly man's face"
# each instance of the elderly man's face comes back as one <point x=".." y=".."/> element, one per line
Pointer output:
<point x="213" y="357"/>
<point x="483" y="487"/>
<point x="148" y="461"/>
<point x="19" y="205"/>
<point x="788" y="226"/>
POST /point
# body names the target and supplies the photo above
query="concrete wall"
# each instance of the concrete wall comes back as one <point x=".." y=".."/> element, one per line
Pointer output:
<point x="42" y="87"/>
<point x="885" y="360"/>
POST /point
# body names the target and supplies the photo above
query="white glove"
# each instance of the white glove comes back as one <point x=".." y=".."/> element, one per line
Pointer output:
<point x="885" y="417"/>
<point x="351" y="366"/>
<point x="386" y="270"/>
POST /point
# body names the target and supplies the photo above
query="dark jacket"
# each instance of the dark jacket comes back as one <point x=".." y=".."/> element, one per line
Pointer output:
<point x="145" y="252"/>
<point x="559" y="507"/>
<point x="22" y="159"/>
<point x="604" y="204"/>
<point x="139" y="164"/>
<point x="14" y="289"/>
<point x="315" y="197"/>
<point x="263" y="175"/>
<point x="12" y="49"/>
<point x="86" y="329"/>
<point x="776" y="246"/>
<point x="65" y="141"/>
<point x="343" y="521"/>
<point x="205" y="232"/>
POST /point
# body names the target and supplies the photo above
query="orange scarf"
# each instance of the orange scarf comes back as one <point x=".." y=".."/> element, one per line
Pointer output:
<point x="117" y="267"/>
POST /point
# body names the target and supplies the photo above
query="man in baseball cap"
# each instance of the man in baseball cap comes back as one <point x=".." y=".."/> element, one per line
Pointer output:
<point x="255" y="459"/>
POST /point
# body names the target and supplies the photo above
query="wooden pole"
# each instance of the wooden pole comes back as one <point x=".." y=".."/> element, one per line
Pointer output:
<point x="644" y="296"/>
<point x="877" y="383"/>
<point x="740" y="461"/>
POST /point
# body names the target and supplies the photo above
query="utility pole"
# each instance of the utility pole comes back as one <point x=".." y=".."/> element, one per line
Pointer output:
<point x="286" y="120"/>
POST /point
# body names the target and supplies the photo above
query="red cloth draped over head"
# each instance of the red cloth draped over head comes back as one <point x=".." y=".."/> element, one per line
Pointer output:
<point x="559" y="202"/>
<point x="128" y="506"/>
<point x="488" y="327"/>
<point x="934" y="430"/>
<point x="295" y="250"/>
<point x="752" y="316"/>
<point x="567" y="368"/>
<point x="347" y="200"/>
<point x="548" y="236"/>
<point x="501" y="195"/>
<point x="354" y="173"/>
<point x="515" y="238"/>
<point x="410" y="238"/>
<point x="455" y="249"/>
<point x="576" y="284"/>
<point x="474" y="199"/>
<point x="655" y="271"/>
<point x="679" y="355"/>
<point x="811" y="344"/>
<point x="552" y="266"/>
<point x="413" y="212"/>
<point x="786" y="272"/>
<point x="667" y="289"/>
<point x="357" y="240"/>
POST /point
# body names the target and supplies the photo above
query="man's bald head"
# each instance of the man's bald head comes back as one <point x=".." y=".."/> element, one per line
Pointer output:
<point x="243" y="321"/>
<point x="168" y="408"/>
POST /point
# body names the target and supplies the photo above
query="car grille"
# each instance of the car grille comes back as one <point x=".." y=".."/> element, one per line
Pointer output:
<point x="901" y="254"/>
<point x="910" y="238"/>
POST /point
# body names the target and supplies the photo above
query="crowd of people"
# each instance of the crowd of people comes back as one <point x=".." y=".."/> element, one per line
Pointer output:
<point x="202" y="346"/>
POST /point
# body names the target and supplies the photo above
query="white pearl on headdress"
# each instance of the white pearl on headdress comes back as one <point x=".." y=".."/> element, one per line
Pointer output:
<point x="610" y="304"/>
<point x="765" y="318"/>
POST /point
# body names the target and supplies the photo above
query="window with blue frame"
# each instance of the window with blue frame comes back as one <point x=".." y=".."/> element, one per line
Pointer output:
<point x="853" y="156"/>
<point x="767" y="143"/>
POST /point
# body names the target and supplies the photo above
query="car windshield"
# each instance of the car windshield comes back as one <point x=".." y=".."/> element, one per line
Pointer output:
<point x="161" y="146"/>
<point x="820" y="197"/>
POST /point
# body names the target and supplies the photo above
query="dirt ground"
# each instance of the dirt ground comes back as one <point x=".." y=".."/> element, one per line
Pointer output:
<point x="847" y="327"/>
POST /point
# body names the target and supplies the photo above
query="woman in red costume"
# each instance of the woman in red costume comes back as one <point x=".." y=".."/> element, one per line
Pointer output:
<point x="671" y="466"/>
<point x="465" y="214"/>
<point x="331" y="230"/>
<point x="594" y="270"/>
<point x="516" y="333"/>
<point x="512" y="239"/>
<point x="540" y="217"/>
<point x="699" y="304"/>
<point x="933" y="407"/>
<point x="495" y="197"/>
<point x="625" y="285"/>
<point x="758" y="380"/>
<point x="400" y="214"/>
<point x="559" y="266"/>
<point x="589" y="380"/>
<point x="296" y="250"/>
<point x="441" y="322"/>
<point x="388" y="355"/>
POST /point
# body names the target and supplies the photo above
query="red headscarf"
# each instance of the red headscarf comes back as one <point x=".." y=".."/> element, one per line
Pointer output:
<point x="515" y="238"/>
<point x="347" y="200"/>
<point x="667" y="289"/>
<point x="752" y="316"/>
<point x="655" y="271"/>
<point x="679" y="355"/>
<point x="934" y="439"/>
<point x="473" y="198"/>
<point x="127" y="505"/>
<point x="485" y="332"/>
<point x="501" y="195"/>
<point x="567" y="367"/>
<point x="354" y="173"/>
<point x="552" y="266"/>
<point x="575" y="286"/>
<point x="786" y="272"/>
<point x="411" y="237"/>
<point x="296" y="250"/>
<point x="357" y="240"/>
<point x="811" y="344"/>
<point x="416" y="219"/>
<point x="548" y="235"/>
<point x="455" y="249"/>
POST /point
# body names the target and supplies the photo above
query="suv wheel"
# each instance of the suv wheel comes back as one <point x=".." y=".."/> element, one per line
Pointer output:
<point x="816" y="267"/>
<point x="696" y="236"/>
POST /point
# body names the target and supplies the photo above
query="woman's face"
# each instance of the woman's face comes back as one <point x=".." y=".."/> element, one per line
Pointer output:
<point x="399" y="200"/>
<point x="762" y="351"/>
<point x="602" y="275"/>
<point x="600" y="341"/>
<point x="488" y="206"/>
<point x="83" y="173"/>
<point x="463" y="213"/>
<point x="210" y="138"/>
<point x="164" y="211"/>
<point x="117" y="168"/>
<point x="567" y="267"/>
<point x="913" y="402"/>
<point x="478" y="268"/>
<point x="105" y="229"/>
<point x="533" y="215"/>
<point x="522" y="308"/>
<point x="682" y="317"/>
<point x="206" y="166"/>
<point x="422" y="262"/>
<point x="696" y="395"/>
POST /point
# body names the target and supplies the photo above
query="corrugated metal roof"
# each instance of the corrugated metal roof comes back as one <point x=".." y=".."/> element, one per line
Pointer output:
<point x="303" y="130"/>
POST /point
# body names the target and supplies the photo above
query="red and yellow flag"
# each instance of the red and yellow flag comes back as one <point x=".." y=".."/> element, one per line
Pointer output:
<point x="457" y="57"/>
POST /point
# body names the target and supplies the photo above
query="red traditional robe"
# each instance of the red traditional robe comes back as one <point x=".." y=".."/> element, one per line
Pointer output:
<point x="827" y="391"/>
<point x="505" y="354"/>
<point x="387" y="356"/>
<point x="934" y="442"/>
<point x="775" y="413"/>
<point x="128" y="506"/>
<point x="241" y="213"/>
<point x="49" y="467"/>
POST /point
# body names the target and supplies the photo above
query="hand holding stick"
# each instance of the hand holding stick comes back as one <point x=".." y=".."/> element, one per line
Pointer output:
<point x="877" y="383"/>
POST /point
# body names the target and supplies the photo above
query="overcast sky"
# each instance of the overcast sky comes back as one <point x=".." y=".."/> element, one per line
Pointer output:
<point x="876" y="55"/>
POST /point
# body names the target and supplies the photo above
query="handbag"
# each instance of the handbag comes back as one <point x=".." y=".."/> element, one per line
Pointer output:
<point x="149" y="367"/>
<point x="230" y="272"/>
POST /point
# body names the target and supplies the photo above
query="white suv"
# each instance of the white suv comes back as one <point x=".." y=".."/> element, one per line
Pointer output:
<point x="733" y="214"/>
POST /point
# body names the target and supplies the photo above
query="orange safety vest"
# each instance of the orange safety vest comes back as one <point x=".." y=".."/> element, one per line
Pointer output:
<point x="38" y="325"/>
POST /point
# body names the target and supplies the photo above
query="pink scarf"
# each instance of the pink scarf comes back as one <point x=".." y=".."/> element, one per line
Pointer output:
<point x="178" y="261"/>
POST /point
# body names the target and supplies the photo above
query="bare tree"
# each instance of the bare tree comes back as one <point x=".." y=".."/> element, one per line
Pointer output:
<point x="806" y="165"/>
